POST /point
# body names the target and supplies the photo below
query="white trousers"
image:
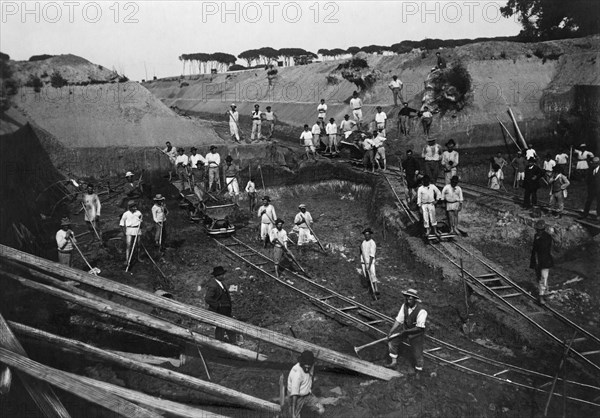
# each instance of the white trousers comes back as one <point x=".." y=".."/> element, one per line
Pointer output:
<point x="428" y="214"/>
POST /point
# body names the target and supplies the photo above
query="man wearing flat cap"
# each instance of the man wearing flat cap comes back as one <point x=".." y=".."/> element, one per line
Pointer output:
<point x="279" y="240"/>
<point x="218" y="299"/>
<point x="159" y="215"/>
<point x="432" y="154"/>
<point x="303" y="222"/>
<point x="541" y="258"/>
<point x="64" y="241"/>
<point x="299" y="386"/>
<point x="411" y="320"/>
<point x="368" y="249"/>
<point x="267" y="216"/>
<point x="131" y="224"/>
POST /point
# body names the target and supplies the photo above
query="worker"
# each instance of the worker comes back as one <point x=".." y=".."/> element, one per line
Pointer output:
<point x="453" y="196"/>
<point x="331" y="129"/>
<point x="65" y="238"/>
<point x="582" y="155"/>
<point x="411" y="169"/>
<point x="411" y="320"/>
<point x="256" y="123"/>
<point x="299" y="386"/>
<point x="441" y="61"/>
<point x="541" y="258"/>
<point x="404" y="123"/>
<point x="197" y="164"/>
<point x="306" y="139"/>
<point x="92" y="207"/>
<point x="426" y="120"/>
<point x="269" y="121"/>
<point x="322" y="111"/>
<point x="450" y="161"/>
<point x="380" y="120"/>
<point x="316" y="134"/>
<point x="562" y="160"/>
<point x="347" y="126"/>
<point x="530" y="153"/>
<point x="279" y="239"/>
<point x="396" y="87"/>
<point x="218" y="299"/>
<point x="131" y="224"/>
<point x="548" y="165"/>
<point x="159" y="216"/>
<point x="379" y="149"/>
<point x="304" y="221"/>
<point x="171" y="152"/>
<point x="531" y="183"/>
<point x="427" y="197"/>
<point x="368" y="250"/>
<point x="213" y="164"/>
<point x="592" y="182"/>
<point x="132" y="189"/>
<point x="519" y="163"/>
<point x="267" y="216"/>
<point x="558" y="190"/>
<point x="432" y="155"/>
<point x="251" y="190"/>
<point x="234" y="122"/>
<point x="356" y="106"/>
<point x="369" y="154"/>
<point x="495" y="177"/>
<point x="231" y="174"/>
<point x="182" y="163"/>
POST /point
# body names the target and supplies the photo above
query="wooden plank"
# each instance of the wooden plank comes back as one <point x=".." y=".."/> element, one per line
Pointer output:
<point x="41" y="393"/>
<point x="126" y="361"/>
<point x="60" y="379"/>
<point x="106" y="307"/>
<point x="170" y="407"/>
<point x="321" y="353"/>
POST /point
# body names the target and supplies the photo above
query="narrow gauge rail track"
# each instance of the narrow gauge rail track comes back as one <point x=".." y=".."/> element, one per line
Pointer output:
<point x="369" y="320"/>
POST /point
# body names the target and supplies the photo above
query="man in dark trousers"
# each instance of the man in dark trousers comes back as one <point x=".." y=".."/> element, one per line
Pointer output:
<point x="541" y="258"/>
<point x="592" y="181"/>
<point x="411" y="319"/>
<point x="411" y="170"/>
<point x="531" y="183"/>
<point x="218" y="300"/>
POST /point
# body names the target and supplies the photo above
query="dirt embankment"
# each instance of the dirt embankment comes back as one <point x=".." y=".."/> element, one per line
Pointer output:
<point x="539" y="81"/>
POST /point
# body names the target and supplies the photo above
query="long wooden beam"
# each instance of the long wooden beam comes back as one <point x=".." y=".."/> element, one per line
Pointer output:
<point x="519" y="134"/>
<point x="170" y="407"/>
<point x="60" y="379"/>
<point x="324" y="354"/>
<point x="194" y="383"/>
<point x="107" y="307"/>
<point x="41" y="393"/>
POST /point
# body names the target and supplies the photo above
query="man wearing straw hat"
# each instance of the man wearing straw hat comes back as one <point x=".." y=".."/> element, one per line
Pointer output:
<point x="411" y="318"/>
<point x="218" y="299"/>
<point x="159" y="215"/>
<point x="92" y="206"/>
<point x="279" y="239"/>
<point x="131" y="224"/>
<point x="267" y="216"/>
<point x="541" y="258"/>
<point x="368" y="249"/>
<point x="64" y="240"/>
<point x="303" y="222"/>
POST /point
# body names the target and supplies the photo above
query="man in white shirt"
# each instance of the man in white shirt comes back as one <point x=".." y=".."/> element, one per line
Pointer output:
<point x="159" y="216"/>
<point x="396" y="87"/>
<point x="427" y="197"/>
<point x="267" y="216"/>
<point x="92" y="207"/>
<point x="582" y="155"/>
<point x="131" y="224"/>
<point x="450" y="161"/>
<point x="64" y="242"/>
<point x="231" y="174"/>
<point x="562" y="160"/>
<point x="279" y="239"/>
<point x="368" y="248"/>
<point x="256" y="123"/>
<point x="347" y="126"/>
<point x="530" y="153"/>
<point x="251" y="190"/>
<point x="269" y="122"/>
<point x="197" y="163"/>
<point x="213" y="163"/>
<point x="380" y="120"/>
<point x="380" y="149"/>
<point x="306" y="139"/>
<point x="369" y="154"/>
<point x="322" y="111"/>
<point x="303" y="222"/>
<point x="356" y="106"/>
<point x="316" y="134"/>
<point x="432" y="155"/>
<point x="331" y="129"/>
<point x="234" y="122"/>
<point x="182" y="166"/>
<point x="548" y="165"/>
<point x="299" y="386"/>
<point x="171" y="152"/>
<point x="453" y="196"/>
<point x="411" y="319"/>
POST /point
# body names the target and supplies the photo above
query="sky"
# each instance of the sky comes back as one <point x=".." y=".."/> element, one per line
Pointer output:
<point x="145" y="38"/>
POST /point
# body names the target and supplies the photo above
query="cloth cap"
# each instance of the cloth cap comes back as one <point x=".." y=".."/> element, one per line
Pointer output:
<point x="267" y="198"/>
<point x="369" y="230"/>
<point x="279" y="221"/>
<point x="65" y="221"/>
<point x="159" y="197"/>
<point x="307" y="357"/>
<point x="131" y="203"/>
<point x="129" y="173"/>
<point x="193" y="149"/>
<point x="233" y="105"/>
<point x="430" y="139"/>
<point x="212" y="147"/>
<point x="583" y="145"/>
<point x="378" y="107"/>
<point x="229" y="158"/>
<point x="451" y="142"/>
<point x="302" y="206"/>
<point x="412" y="293"/>
<point x="540" y="224"/>
<point x="218" y="271"/>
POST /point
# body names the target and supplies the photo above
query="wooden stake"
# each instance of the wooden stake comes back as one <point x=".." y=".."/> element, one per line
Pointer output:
<point x="560" y="366"/>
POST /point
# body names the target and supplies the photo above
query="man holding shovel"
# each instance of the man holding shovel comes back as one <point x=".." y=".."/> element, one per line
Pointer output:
<point x="367" y="256"/>
<point x="64" y="240"/>
<point x="91" y="205"/>
<point x="267" y="216"/>
<point x="159" y="215"/>
<point x="303" y="221"/>
<point x="279" y="240"/>
<point x="411" y="318"/>
<point x="131" y="224"/>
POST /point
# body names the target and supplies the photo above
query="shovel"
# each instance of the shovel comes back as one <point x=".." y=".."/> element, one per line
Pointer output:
<point x="93" y="270"/>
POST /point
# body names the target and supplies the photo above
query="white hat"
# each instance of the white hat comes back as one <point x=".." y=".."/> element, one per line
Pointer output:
<point x="129" y="173"/>
<point x="583" y="145"/>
